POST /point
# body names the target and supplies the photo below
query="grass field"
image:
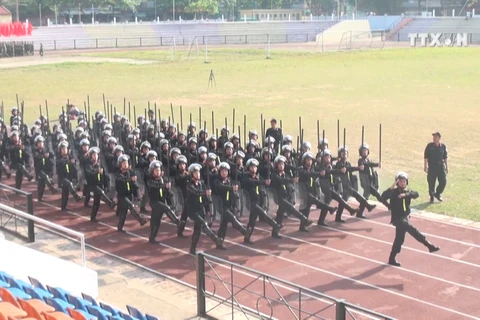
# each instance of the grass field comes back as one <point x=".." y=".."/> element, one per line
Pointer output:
<point x="412" y="92"/>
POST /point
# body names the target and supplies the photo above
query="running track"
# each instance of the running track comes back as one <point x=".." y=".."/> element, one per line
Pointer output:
<point x="341" y="260"/>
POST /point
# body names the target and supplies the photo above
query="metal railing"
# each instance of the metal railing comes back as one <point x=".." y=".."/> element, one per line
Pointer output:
<point x="4" y="209"/>
<point x="17" y="199"/>
<point x="257" y="294"/>
<point x="169" y="41"/>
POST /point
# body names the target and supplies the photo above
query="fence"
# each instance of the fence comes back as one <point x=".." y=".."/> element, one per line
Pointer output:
<point x="17" y="199"/>
<point x="6" y="210"/>
<point x="258" y="294"/>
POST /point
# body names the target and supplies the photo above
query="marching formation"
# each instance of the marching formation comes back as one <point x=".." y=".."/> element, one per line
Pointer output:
<point x="192" y="174"/>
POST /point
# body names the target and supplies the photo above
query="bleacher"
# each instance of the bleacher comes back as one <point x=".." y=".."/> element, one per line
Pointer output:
<point x="36" y="301"/>
<point x="162" y="34"/>
<point x="441" y="25"/>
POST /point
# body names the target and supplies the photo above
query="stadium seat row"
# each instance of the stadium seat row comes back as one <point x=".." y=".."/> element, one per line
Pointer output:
<point x="35" y="301"/>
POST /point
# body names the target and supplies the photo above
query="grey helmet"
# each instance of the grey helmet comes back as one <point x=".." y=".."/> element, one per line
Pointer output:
<point x="194" y="167"/>
<point x="112" y="140"/>
<point x="307" y="155"/>
<point x="151" y="154"/>
<point x="175" y="150"/>
<point x="181" y="159"/>
<point x="306" y="146"/>
<point x="62" y="136"/>
<point x="39" y="139"/>
<point x="363" y="147"/>
<point x="239" y="154"/>
<point x="63" y="144"/>
<point x="342" y="149"/>
<point x="123" y="158"/>
<point x="228" y="145"/>
<point x="154" y="165"/>
<point x="145" y="144"/>
<point x="279" y="159"/>
<point x="401" y="175"/>
<point x="212" y="156"/>
<point x="326" y="152"/>
<point x="84" y="142"/>
<point x="118" y="149"/>
<point x="252" y="162"/>
<point x="287" y="148"/>
<point x="202" y="149"/>
<point x="93" y="150"/>
<point x="223" y="165"/>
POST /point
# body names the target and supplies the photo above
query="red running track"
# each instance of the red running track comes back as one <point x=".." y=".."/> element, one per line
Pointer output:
<point x="343" y="260"/>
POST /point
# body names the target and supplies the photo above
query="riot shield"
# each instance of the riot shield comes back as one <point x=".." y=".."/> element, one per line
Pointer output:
<point x="271" y="200"/>
<point x="302" y="196"/>
<point x="246" y="203"/>
<point x="217" y="208"/>
<point x="177" y="200"/>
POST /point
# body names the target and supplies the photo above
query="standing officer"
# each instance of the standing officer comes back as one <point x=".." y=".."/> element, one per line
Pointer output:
<point x="400" y="197"/>
<point x="436" y="166"/>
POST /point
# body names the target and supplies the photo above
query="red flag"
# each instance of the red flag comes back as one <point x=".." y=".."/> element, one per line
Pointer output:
<point x="30" y="29"/>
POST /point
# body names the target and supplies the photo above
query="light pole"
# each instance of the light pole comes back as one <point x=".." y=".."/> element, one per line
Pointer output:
<point x="155" y="10"/>
<point x="173" y="11"/>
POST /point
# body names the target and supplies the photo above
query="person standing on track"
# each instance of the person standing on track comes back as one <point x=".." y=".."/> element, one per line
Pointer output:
<point x="400" y="197"/>
<point x="436" y="166"/>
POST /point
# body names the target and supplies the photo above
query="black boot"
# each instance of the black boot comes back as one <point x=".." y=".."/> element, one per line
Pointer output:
<point x="370" y="207"/>
<point x="321" y="219"/>
<point x="193" y="246"/>
<point x="153" y="234"/>
<point x="181" y="228"/>
<point x="392" y="261"/>
<point x="248" y="234"/>
<point x="431" y="247"/>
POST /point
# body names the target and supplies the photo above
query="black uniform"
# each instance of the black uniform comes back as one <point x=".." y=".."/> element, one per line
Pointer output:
<point x="224" y="190"/>
<point x="349" y="185"/>
<point x="282" y="183"/>
<point x="436" y="155"/>
<point x="369" y="178"/>
<point x="126" y="190"/>
<point x="67" y="172"/>
<point x="97" y="183"/>
<point x="197" y="204"/>
<point x="182" y="179"/>
<point x="43" y="171"/>
<point x="400" y="209"/>
<point x="307" y="177"/>
<point x="254" y="186"/>
<point x="159" y="197"/>
<point x="19" y="158"/>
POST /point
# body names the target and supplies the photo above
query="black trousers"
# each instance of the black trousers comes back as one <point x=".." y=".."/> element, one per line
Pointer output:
<point x="155" y="220"/>
<point x="433" y="175"/>
<point x="403" y="227"/>
<point x="229" y="217"/>
<point x="199" y="225"/>
<point x="122" y="210"/>
<point x="40" y="188"/>
<point x="18" y="179"/>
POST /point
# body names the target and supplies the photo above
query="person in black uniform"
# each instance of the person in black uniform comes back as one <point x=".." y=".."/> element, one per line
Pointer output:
<point x="399" y="197"/>
<point x="19" y="158"/>
<point x="197" y="205"/>
<point x="160" y="195"/>
<point x="182" y="178"/>
<point x="275" y="133"/>
<point x="282" y="183"/>
<point x="127" y="188"/>
<point x="228" y="192"/>
<point x="368" y="175"/>
<point x="43" y="163"/>
<point x="436" y="166"/>
<point x="67" y="173"/>
<point x="308" y="177"/>
<point x="97" y="182"/>
<point x="253" y="184"/>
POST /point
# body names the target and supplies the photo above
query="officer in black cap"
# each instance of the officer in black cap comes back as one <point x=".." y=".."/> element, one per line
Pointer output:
<point x="276" y="133"/>
<point x="400" y="197"/>
<point x="436" y="166"/>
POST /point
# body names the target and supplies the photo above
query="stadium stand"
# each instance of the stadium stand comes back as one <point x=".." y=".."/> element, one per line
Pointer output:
<point x="36" y="301"/>
<point x="440" y="25"/>
<point x="383" y="23"/>
<point x="128" y="35"/>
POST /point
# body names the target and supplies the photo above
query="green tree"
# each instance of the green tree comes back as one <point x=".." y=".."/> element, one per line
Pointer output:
<point x="202" y="7"/>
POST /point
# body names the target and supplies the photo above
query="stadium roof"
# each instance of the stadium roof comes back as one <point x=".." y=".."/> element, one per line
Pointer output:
<point x="4" y="11"/>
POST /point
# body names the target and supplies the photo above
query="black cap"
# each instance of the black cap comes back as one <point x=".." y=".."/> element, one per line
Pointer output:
<point x="437" y="134"/>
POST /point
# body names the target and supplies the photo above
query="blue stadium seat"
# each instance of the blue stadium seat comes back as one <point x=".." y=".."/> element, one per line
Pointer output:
<point x="134" y="312"/>
<point x="98" y="312"/>
<point x="89" y="299"/>
<point x="3" y="274"/>
<point x="37" y="293"/>
<point x="115" y="318"/>
<point x="20" y="284"/>
<point x="126" y="316"/>
<point x="112" y="310"/>
<point x="37" y="284"/>
<point x="150" y="317"/>
<point x="59" y="304"/>
<point x="58" y="292"/>
<point x="3" y="284"/>
<point x="18" y="293"/>
<point x="78" y="303"/>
